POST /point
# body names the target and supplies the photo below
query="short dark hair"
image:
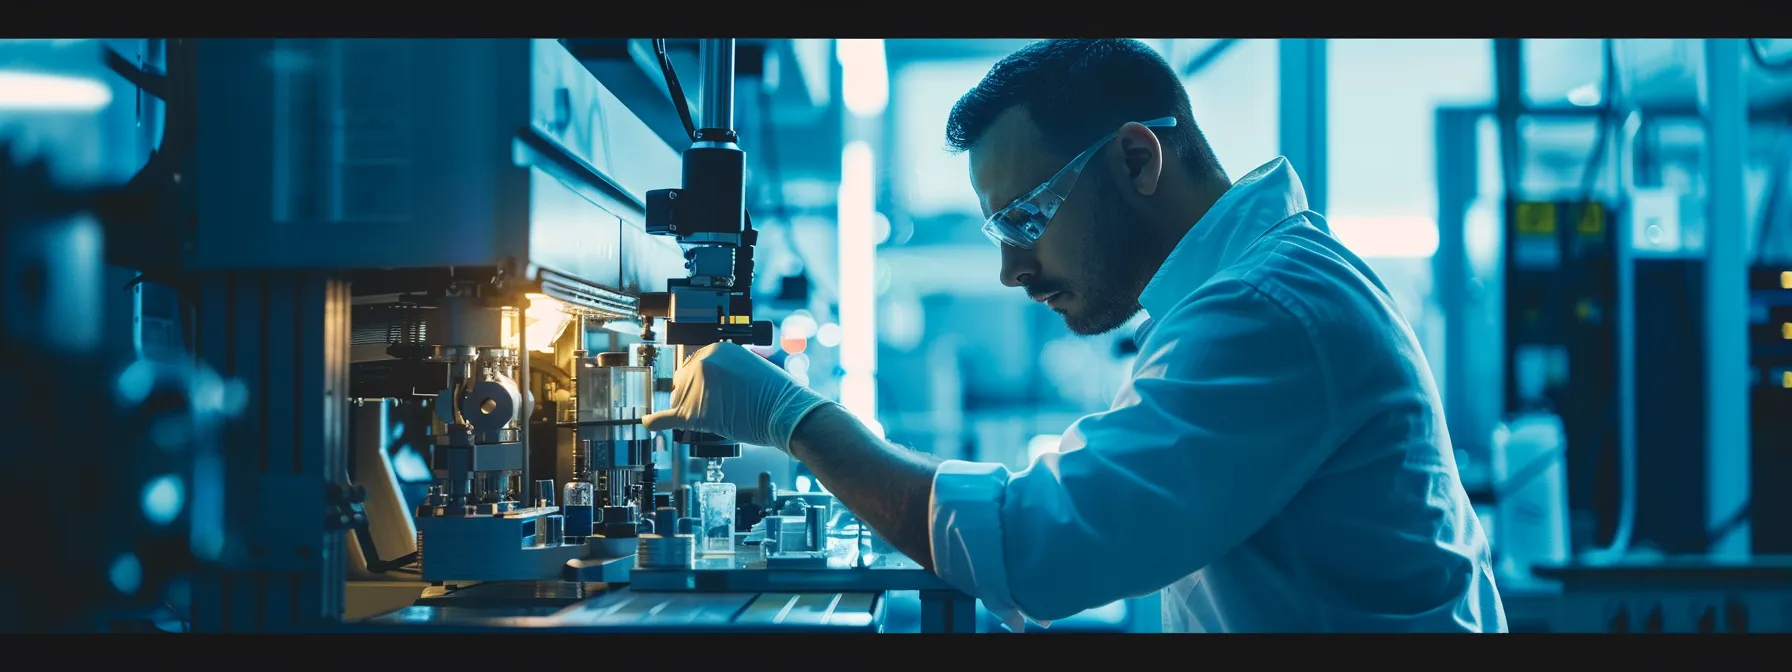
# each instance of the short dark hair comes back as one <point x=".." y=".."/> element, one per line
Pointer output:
<point x="1079" y="90"/>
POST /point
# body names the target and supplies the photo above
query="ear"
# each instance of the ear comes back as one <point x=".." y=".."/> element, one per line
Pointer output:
<point x="1141" y="157"/>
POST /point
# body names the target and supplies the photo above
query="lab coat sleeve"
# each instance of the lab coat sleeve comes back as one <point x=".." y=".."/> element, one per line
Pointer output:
<point x="1230" y="411"/>
<point x="965" y="529"/>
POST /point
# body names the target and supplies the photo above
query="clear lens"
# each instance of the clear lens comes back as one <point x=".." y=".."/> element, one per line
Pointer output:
<point x="1020" y="224"/>
<point x="1001" y="232"/>
<point x="994" y="236"/>
<point x="1017" y="225"/>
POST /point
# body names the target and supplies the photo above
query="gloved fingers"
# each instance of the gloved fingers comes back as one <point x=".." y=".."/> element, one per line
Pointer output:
<point x="669" y="419"/>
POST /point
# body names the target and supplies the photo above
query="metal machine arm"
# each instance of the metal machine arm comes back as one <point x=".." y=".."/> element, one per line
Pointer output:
<point x="708" y="216"/>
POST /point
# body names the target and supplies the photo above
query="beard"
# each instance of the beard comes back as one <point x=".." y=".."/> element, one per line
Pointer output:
<point x="1112" y="274"/>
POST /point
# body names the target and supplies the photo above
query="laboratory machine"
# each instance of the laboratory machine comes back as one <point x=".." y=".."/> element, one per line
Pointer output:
<point x="432" y="288"/>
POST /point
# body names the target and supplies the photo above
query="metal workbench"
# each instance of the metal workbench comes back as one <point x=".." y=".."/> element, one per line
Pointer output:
<point x="719" y="594"/>
<point x="1675" y="594"/>
<point x="596" y="608"/>
<point x="943" y="608"/>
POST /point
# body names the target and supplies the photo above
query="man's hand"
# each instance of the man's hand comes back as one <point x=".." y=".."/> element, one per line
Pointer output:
<point x="724" y="389"/>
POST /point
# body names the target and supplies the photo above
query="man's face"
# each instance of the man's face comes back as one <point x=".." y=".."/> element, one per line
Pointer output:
<point x="1089" y="265"/>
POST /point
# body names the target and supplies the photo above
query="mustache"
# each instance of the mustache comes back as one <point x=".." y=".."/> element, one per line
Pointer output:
<point x="1043" y="288"/>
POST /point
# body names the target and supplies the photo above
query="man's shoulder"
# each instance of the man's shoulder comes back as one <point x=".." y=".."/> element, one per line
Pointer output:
<point x="1289" y="268"/>
<point x="1311" y="274"/>
<point x="1230" y="293"/>
<point x="1296" y="253"/>
<point x="1299" y="276"/>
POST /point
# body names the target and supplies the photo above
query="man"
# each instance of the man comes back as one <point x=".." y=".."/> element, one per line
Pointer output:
<point x="1279" y="460"/>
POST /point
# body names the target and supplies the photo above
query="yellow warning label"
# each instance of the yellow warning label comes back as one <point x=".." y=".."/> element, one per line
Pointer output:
<point x="1592" y="219"/>
<point x="1785" y="279"/>
<point x="1536" y="219"/>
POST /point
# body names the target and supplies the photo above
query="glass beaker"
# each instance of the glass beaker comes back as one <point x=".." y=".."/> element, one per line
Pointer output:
<point x="715" y="512"/>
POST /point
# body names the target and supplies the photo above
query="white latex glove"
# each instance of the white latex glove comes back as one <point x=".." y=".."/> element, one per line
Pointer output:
<point x="726" y="389"/>
<point x="1012" y="619"/>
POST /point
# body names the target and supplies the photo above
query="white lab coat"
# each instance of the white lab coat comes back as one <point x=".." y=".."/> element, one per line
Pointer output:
<point x="1278" y="462"/>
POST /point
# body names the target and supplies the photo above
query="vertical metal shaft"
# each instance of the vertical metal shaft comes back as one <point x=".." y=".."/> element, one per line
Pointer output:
<point x="526" y="412"/>
<point x="717" y="112"/>
<point x="718" y="85"/>
<point x="1508" y="75"/>
<point x="1303" y="114"/>
<point x="1725" y="107"/>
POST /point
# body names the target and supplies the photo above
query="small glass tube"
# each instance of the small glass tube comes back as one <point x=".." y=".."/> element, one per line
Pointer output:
<point x="577" y="500"/>
<point x="715" y="506"/>
<point x="846" y="540"/>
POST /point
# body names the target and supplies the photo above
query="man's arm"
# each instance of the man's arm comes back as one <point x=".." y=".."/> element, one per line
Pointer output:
<point x="1230" y="413"/>
<point x="1232" y="409"/>
<point x="725" y="389"/>
<point x="886" y="486"/>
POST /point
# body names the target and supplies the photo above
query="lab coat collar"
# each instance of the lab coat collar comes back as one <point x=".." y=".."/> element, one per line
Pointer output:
<point x="1268" y="195"/>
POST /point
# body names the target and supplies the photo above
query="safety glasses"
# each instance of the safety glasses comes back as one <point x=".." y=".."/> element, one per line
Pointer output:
<point x="1024" y="220"/>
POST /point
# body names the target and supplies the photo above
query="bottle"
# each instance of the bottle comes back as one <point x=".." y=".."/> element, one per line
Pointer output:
<point x="846" y="540"/>
<point x="579" y="496"/>
<point x="715" y="511"/>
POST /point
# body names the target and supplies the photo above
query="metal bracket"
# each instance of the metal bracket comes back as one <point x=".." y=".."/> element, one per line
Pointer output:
<point x="947" y="611"/>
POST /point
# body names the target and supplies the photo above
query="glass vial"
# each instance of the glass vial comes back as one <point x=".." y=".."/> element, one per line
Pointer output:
<point x="845" y="540"/>
<point x="715" y="506"/>
<point x="579" y="498"/>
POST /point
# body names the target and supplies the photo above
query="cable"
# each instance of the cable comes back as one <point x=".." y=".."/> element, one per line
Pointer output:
<point x="1627" y="457"/>
<point x="174" y="85"/>
<point x="1774" y="209"/>
<point x="683" y="106"/>
<point x="1208" y="56"/>
<point x="1731" y="524"/>
<point x="1758" y="50"/>
<point x="148" y="78"/>
<point x="186" y="626"/>
<point x="679" y="102"/>
<point x="1621" y="538"/>
<point x="1508" y="111"/>
<point x="1589" y="178"/>
<point x="1527" y="473"/>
